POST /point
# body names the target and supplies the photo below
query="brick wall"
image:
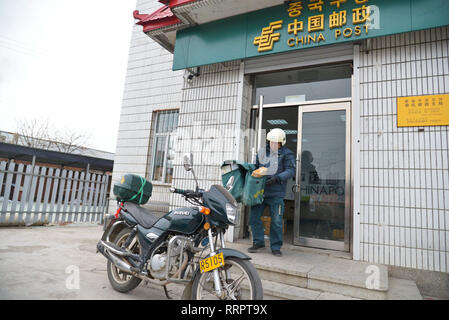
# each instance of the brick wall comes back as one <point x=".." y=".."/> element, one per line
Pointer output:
<point x="207" y="124"/>
<point x="404" y="171"/>
<point x="404" y="178"/>
<point x="150" y="85"/>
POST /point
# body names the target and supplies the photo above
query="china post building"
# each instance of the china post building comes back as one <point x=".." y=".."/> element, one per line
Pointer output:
<point x="361" y="88"/>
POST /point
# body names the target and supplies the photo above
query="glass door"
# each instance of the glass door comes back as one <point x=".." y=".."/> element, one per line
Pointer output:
<point x="322" y="190"/>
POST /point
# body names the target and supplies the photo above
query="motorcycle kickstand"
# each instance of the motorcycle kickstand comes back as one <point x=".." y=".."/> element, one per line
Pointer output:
<point x="166" y="293"/>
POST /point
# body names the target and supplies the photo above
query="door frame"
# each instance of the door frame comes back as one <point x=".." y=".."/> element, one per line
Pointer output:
<point x="319" y="105"/>
<point x="322" y="243"/>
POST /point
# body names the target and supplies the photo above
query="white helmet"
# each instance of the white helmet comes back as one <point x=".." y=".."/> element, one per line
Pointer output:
<point x="277" y="135"/>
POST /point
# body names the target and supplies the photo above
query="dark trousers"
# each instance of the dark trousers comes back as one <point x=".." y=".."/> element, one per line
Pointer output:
<point x="277" y="209"/>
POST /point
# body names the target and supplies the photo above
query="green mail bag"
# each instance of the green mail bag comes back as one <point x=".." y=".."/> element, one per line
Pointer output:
<point x="253" y="190"/>
<point x="236" y="177"/>
<point x="233" y="175"/>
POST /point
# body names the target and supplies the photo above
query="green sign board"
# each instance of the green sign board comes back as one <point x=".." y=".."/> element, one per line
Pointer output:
<point x="303" y="24"/>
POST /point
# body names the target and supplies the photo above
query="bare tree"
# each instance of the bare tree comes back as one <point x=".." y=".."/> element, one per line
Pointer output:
<point x="33" y="133"/>
<point x="38" y="133"/>
<point x="71" y="141"/>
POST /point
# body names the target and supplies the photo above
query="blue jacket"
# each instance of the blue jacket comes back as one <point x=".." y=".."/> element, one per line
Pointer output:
<point x="282" y="165"/>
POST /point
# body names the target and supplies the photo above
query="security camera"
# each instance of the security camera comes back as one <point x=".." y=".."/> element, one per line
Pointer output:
<point x="191" y="73"/>
<point x="188" y="77"/>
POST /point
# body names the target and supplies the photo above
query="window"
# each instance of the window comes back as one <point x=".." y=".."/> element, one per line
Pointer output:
<point x="163" y="146"/>
<point x="313" y="83"/>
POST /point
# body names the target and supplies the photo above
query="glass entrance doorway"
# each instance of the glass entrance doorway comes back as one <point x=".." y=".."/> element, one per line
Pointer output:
<point x="317" y="202"/>
<point x="322" y="190"/>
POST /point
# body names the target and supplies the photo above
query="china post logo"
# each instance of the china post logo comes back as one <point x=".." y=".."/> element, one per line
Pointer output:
<point x="267" y="38"/>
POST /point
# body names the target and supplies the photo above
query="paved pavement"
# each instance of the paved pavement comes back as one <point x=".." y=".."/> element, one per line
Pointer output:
<point x="46" y="263"/>
<point x="60" y="262"/>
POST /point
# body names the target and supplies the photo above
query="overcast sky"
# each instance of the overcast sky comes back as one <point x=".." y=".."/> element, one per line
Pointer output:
<point x="65" y="61"/>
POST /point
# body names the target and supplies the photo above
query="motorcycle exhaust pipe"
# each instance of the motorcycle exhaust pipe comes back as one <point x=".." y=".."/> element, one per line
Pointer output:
<point x="131" y="258"/>
<point x="113" y="250"/>
<point x="119" y="263"/>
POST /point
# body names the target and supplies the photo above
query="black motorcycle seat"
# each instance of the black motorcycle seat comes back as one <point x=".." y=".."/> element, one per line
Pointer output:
<point x="143" y="216"/>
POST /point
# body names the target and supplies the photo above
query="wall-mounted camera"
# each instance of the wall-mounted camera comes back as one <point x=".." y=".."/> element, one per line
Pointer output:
<point x="191" y="73"/>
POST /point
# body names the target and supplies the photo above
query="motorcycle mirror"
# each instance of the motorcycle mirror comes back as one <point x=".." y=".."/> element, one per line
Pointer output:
<point x="188" y="166"/>
<point x="188" y="161"/>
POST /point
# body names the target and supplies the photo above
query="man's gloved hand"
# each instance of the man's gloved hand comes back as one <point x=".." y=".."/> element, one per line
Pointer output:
<point x="272" y="180"/>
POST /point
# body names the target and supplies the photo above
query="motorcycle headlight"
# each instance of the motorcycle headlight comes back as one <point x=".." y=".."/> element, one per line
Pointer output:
<point x="232" y="212"/>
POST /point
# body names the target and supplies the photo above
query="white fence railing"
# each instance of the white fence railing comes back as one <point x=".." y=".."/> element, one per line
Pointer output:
<point x="31" y="194"/>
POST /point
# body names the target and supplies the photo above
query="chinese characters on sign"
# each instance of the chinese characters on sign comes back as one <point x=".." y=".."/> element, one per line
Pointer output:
<point x="306" y="29"/>
<point x="420" y="111"/>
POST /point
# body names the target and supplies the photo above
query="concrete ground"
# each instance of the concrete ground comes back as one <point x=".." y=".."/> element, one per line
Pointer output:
<point x="60" y="262"/>
<point x="46" y="263"/>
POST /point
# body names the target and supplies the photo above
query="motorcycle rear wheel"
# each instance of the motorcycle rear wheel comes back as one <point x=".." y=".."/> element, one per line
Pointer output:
<point x="243" y="282"/>
<point x="120" y="280"/>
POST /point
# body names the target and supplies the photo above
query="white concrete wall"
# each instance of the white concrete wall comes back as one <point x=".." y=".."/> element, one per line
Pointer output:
<point x="211" y="108"/>
<point x="150" y="85"/>
<point x="404" y="178"/>
<point x="404" y="204"/>
<point x="210" y="104"/>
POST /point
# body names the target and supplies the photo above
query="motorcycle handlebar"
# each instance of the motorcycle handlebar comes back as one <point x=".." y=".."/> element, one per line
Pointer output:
<point x="190" y="193"/>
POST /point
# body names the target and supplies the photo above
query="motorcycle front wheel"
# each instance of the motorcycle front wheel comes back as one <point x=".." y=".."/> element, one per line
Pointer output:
<point x="239" y="281"/>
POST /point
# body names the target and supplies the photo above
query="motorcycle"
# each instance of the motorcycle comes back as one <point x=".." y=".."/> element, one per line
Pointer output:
<point x="180" y="247"/>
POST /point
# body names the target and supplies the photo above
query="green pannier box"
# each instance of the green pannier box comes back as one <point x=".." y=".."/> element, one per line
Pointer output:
<point x="133" y="188"/>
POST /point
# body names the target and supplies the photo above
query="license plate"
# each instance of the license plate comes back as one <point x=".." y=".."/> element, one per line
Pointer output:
<point x="212" y="263"/>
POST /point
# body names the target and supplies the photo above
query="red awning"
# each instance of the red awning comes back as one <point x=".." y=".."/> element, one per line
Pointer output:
<point x="176" y="3"/>
<point x="162" y="17"/>
<point x="162" y="24"/>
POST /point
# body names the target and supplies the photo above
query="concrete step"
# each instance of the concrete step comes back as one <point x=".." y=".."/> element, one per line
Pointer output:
<point x="279" y="291"/>
<point x="321" y="272"/>
<point x="314" y="275"/>
<point x="400" y="289"/>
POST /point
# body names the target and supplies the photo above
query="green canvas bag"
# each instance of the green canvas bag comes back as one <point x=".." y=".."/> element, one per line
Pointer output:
<point x="233" y="174"/>
<point x="253" y="190"/>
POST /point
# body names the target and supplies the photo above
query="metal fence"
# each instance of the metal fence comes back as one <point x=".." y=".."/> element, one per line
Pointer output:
<point x="32" y="194"/>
